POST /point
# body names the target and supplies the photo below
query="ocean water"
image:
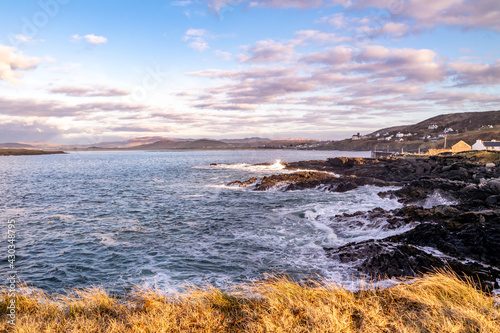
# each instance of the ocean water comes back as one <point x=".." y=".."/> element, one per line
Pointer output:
<point x="128" y="219"/>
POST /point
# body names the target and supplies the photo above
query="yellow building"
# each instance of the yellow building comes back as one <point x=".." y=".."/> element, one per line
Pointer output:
<point x="460" y="146"/>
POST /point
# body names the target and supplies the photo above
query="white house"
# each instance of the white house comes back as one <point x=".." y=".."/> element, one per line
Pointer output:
<point x="433" y="127"/>
<point x="478" y="145"/>
<point x="486" y="145"/>
<point x="448" y="130"/>
<point x="399" y="135"/>
<point x="356" y="137"/>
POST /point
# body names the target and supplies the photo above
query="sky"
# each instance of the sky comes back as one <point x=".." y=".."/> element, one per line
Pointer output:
<point x="85" y="71"/>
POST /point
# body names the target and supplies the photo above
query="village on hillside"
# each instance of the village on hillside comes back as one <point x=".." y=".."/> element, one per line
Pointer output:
<point x="458" y="147"/>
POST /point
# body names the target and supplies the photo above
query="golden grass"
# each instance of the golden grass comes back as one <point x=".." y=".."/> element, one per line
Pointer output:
<point x="438" y="302"/>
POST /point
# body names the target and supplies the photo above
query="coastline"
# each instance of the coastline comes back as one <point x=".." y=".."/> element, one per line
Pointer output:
<point x="460" y="231"/>
<point x="454" y="201"/>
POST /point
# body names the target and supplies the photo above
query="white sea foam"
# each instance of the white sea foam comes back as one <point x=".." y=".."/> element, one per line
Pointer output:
<point x="259" y="168"/>
<point x="276" y="166"/>
<point x="436" y="199"/>
<point x="226" y="187"/>
<point x="340" y="231"/>
<point x="192" y="196"/>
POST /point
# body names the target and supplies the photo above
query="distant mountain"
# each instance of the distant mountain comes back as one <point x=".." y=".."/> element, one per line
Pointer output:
<point x="196" y="144"/>
<point x="12" y="145"/>
<point x="130" y="143"/>
<point x="246" y="140"/>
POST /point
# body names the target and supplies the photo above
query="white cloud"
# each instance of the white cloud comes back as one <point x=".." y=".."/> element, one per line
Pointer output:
<point x="12" y="62"/>
<point x="180" y="3"/>
<point x="197" y="39"/>
<point x="26" y="39"/>
<point x="427" y="13"/>
<point x="92" y="39"/>
<point x="223" y="55"/>
<point x="267" y="51"/>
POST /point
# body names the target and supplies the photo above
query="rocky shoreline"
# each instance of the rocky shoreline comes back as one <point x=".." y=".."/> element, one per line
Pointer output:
<point x="463" y="234"/>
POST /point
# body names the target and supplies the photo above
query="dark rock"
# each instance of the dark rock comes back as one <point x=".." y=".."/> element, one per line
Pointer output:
<point x="382" y="259"/>
<point x="468" y="235"/>
<point x="243" y="184"/>
<point x="493" y="200"/>
<point x="300" y="180"/>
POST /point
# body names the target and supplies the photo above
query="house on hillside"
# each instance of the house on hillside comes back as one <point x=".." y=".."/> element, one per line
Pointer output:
<point x="460" y="146"/>
<point x="432" y="127"/>
<point x="356" y="137"/>
<point x="399" y="135"/>
<point x="486" y="145"/>
<point x="448" y="130"/>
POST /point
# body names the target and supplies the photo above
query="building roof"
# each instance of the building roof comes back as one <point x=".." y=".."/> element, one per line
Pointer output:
<point x="491" y="143"/>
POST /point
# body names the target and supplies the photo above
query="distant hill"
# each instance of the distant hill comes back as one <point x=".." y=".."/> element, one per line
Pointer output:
<point x="461" y="122"/>
<point x="12" y="145"/>
<point x="466" y="126"/>
<point x="251" y="140"/>
<point x="197" y="144"/>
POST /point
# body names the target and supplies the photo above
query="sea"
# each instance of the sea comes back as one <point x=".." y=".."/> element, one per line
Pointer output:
<point x="168" y="219"/>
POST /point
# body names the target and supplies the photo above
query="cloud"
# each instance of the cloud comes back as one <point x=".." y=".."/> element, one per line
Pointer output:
<point x="420" y="65"/>
<point x="337" y="55"/>
<point x="13" y="63"/>
<point x="52" y="108"/>
<point x="180" y="3"/>
<point x="310" y="4"/>
<point x="223" y="55"/>
<point x="305" y="37"/>
<point x="92" y="39"/>
<point x="356" y="79"/>
<point x="96" y="91"/>
<point x="27" y="39"/>
<point x="197" y="39"/>
<point x="218" y="5"/>
<point x="267" y="51"/>
<point x="431" y="13"/>
<point x="476" y="73"/>
<point x="475" y="14"/>
<point x="390" y="29"/>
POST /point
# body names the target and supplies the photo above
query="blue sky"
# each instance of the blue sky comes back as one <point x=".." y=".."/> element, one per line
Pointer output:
<point x="74" y="71"/>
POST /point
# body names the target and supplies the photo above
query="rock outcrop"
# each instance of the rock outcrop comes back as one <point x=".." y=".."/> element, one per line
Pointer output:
<point x="452" y="203"/>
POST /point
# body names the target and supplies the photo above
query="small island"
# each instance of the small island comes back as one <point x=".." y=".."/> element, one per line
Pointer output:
<point x="19" y="152"/>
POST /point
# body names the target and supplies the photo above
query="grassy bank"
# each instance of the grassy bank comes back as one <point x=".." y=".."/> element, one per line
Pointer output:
<point x="434" y="303"/>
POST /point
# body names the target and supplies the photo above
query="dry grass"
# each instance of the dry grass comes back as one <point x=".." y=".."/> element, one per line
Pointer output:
<point x="482" y="157"/>
<point x="439" y="302"/>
